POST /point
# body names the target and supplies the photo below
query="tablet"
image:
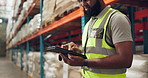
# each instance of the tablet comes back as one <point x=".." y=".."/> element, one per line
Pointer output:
<point x="64" y="51"/>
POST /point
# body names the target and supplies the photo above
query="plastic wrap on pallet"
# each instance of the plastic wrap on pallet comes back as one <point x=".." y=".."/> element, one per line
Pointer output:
<point x="65" y="5"/>
<point x="140" y="63"/>
<point x="16" y="6"/>
<point x="34" y="64"/>
<point x="74" y="71"/>
<point x="24" y="60"/>
<point x="26" y="6"/>
<point x="48" y="10"/>
<point x="34" y="24"/>
<point x="52" y="65"/>
<point x="54" y="8"/>
<point x="136" y="74"/>
<point x="9" y="27"/>
<point x="18" y="59"/>
<point x="139" y="68"/>
<point x="27" y="29"/>
<point x="53" y="68"/>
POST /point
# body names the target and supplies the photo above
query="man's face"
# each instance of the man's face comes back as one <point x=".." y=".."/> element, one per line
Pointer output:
<point x="91" y="7"/>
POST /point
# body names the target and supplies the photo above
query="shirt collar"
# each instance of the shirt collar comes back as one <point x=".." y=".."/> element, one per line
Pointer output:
<point x="101" y="14"/>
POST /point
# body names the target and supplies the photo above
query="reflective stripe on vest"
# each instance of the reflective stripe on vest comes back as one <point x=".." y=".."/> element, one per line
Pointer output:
<point x="96" y="75"/>
<point x="97" y="46"/>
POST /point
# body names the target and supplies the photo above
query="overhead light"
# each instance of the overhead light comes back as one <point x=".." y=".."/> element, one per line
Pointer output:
<point x="1" y="20"/>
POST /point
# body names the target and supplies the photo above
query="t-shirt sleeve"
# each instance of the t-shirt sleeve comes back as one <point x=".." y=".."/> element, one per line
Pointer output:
<point x="120" y="28"/>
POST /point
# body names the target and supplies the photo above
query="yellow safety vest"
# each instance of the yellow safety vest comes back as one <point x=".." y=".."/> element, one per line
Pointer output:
<point x="98" y="47"/>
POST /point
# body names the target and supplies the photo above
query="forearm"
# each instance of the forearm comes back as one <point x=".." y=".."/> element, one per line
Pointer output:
<point x="114" y="61"/>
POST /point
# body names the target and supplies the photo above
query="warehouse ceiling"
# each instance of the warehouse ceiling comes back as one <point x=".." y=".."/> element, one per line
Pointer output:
<point x="6" y="8"/>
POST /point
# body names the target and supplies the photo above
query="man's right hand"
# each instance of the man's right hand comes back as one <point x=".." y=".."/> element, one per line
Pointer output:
<point x="71" y="46"/>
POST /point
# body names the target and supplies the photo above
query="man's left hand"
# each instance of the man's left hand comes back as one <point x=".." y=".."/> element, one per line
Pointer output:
<point x="72" y="60"/>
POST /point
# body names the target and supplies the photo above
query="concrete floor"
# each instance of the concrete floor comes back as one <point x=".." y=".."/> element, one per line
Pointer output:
<point x="9" y="70"/>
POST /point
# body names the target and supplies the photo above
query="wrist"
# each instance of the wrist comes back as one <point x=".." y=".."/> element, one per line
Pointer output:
<point x="85" y="62"/>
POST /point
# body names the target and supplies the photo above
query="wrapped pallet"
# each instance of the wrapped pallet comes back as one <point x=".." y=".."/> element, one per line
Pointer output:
<point x="136" y="74"/>
<point x="27" y="29"/>
<point x="30" y="63"/>
<point x="18" y="59"/>
<point x="34" y="24"/>
<point x="16" y="7"/>
<point x="48" y="10"/>
<point x="74" y="72"/>
<point x="52" y="67"/>
<point x="139" y="68"/>
<point x="24" y="61"/>
<point x="56" y="8"/>
<point x="34" y="64"/>
<point x="65" y="5"/>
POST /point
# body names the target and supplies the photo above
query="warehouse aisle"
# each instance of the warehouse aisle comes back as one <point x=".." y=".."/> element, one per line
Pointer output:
<point x="9" y="69"/>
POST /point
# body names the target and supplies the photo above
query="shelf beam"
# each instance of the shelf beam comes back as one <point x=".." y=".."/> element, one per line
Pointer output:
<point x="141" y="14"/>
<point x="141" y="26"/>
<point x="138" y="3"/>
<point x="110" y="1"/>
<point x="74" y="32"/>
<point x="77" y="38"/>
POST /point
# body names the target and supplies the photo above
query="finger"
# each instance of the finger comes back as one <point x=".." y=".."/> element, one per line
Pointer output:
<point x="71" y="45"/>
<point x="70" y="56"/>
<point x="64" y="57"/>
<point x="60" y="58"/>
<point x="64" y="46"/>
<point x="77" y="50"/>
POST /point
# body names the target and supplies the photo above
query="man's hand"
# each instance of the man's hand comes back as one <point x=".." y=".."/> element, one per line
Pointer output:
<point x="71" y="46"/>
<point x="72" y="60"/>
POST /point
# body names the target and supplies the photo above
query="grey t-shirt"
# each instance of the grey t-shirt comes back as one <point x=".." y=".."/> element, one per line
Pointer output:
<point x="120" y="28"/>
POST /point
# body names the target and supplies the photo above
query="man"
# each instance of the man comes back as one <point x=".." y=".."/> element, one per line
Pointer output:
<point x="106" y="42"/>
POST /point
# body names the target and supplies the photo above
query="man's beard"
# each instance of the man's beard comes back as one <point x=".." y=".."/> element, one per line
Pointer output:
<point x="93" y="11"/>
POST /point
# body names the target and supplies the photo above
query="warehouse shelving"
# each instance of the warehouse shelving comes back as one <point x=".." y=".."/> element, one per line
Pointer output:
<point x="76" y="14"/>
<point x="60" y="25"/>
<point x="25" y="16"/>
<point x="141" y="26"/>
